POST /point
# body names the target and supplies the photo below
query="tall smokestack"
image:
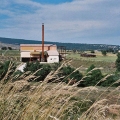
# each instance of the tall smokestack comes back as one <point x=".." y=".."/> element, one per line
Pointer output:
<point x="42" y="42"/>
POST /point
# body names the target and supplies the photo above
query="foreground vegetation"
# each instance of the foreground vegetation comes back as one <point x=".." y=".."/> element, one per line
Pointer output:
<point x="57" y="92"/>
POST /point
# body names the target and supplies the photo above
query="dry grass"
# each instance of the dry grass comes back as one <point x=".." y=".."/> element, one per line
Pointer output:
<point x="23" y="100"/>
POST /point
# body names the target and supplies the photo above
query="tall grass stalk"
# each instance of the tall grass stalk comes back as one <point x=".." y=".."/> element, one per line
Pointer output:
<point x="45" y="100"/>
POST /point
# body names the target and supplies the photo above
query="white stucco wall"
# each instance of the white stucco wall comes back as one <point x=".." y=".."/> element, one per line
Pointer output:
<point x="25" y="54"/>
<point x="53" y="59"/>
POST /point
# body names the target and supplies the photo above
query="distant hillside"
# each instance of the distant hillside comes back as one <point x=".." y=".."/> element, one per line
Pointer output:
<point x="70" y="46"/>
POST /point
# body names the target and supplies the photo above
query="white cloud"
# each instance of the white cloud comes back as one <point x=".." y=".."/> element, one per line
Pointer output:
<point x="5" y="12"/>
<point x="4" y="3"/>
<point x="27" y="2"/>
<point x="80" y="19"/>
<point x="115" y="11"/>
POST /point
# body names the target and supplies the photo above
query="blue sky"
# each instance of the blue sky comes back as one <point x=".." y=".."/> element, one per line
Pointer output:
<point x="80" y="21"/>
<point x="52" y="1"/>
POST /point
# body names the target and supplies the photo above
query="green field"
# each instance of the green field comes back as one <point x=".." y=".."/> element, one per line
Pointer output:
<point x="11" y="53"/>
<point x="110" y="57"/>
<point x="107" y="63"/>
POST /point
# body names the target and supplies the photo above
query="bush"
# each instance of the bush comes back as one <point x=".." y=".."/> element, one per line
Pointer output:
<point x="117" y="62"/>
<point x="70" y="75"/>
<point x="93" y="76"/>
<point x="90" y="68"/>
<point x="104" y="52"/>
<point x="4" y="48"/>
<point x="4" y="69"/>
<point x="34" y="66"/>
<point x="67" y="70"/>
<point x="92" y="51"/>
<point x="109" y="81"/>
<point x="43" y="72"/>
<point x="9" y="48"/>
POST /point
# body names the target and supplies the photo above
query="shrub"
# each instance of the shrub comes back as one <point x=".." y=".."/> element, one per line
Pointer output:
<point x="34" y="66"/>
<point x="109" y="81"/>
<point x="93" y="76"/>
<point x="67" y="70"/>
<point x="55" y="66"/>
<point x="90" y="68"/>
<point x="4" y="69"/>
<point x="117" y="62"/>
<point x="9" y="48"/>
<point x="104" y="52"/>
<point x="43" y="72"/>
<point x="4" y="48"/>
<point x="70" y="75"/>
<point x="92" y="51"/>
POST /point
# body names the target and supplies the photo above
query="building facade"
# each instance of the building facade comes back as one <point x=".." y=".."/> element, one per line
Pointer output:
<point x="33" y="52"/>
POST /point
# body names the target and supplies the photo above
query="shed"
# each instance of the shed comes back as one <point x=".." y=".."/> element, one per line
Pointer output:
<point x="53" y="56"/>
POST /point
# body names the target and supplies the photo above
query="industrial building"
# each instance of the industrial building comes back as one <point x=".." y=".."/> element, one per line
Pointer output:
<point x="33" y="52"/>
<point x="39" y="52"/>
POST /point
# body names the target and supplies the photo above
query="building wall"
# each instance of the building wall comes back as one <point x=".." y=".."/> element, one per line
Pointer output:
<point x="25" y="54"/>
<point x="53" y="48"/>
<point x="38" y="48"/>
<point x="53" y="59"/>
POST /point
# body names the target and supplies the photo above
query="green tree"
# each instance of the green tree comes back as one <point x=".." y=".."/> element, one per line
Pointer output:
<point x="109" y="81"/>
<point x="93" y="76"/>
<point x="10" y="48"/>
<point x="34" y="66"/>
<point x="92" y="51"/>
<point x="104" y="52"/>
<point x="4" y="48"/>
<point x="70" y="75"/>
<point x="90" y="68"/>
<point x="117" y="62"/>
<point x="67" y="70"/>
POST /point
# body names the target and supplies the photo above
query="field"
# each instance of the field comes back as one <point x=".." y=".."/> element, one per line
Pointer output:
<point x="12" y="53"/>
<point x="110" y="57"/>
<point x="21" y="99"/>
<point x="107" y="63"/>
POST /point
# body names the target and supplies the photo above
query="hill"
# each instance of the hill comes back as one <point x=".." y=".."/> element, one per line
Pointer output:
<point x="69" y="46"/>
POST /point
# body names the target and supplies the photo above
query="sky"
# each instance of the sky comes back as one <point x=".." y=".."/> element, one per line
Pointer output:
<point x="69" y="21"/>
